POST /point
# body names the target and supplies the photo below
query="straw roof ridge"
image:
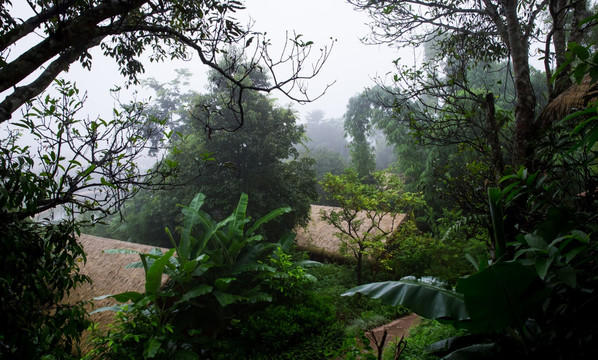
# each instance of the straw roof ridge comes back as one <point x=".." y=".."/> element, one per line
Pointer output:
<point x="319" y="236"/>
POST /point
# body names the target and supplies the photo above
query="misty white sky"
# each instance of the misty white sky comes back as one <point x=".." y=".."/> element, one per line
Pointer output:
<point x="351" y="63"/>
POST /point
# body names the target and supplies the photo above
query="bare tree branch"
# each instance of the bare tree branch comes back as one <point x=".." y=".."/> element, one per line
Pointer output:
<point x="129" y="28"/>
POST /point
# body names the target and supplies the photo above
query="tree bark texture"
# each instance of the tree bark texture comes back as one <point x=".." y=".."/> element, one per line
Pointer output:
<point x="525" y="125"/>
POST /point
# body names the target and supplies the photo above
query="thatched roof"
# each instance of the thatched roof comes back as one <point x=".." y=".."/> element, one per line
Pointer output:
<point x="576" y="97"/>
<point x="318" y="236"/>
<point x="108" y="274"/>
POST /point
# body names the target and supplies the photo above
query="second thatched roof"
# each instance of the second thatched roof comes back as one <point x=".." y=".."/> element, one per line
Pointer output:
<point x="319" y="236"/>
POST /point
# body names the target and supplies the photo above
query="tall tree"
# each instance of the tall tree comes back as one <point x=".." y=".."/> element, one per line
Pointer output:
<point x="85" y="163"/>
<point x="259" y="159"/>
<point x="466" y="33"/>
<point x="368" y="145"/>
<point x="93" y="163"/>
<point x="360" y="129"/>
<point x="367" y="213"/>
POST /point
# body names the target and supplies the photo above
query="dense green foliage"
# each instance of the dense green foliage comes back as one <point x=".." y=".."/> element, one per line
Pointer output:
<point x="500" y="243"/>
<point x="538" y="290"/>
<point x="537" y="293"/>
<point x="226" y="283"/>
<point x="326" y="161"/>
<point x="44" y="185"/>
<point x="412" y="252"/>
<point x="39" y="267"/>
<point x="260" y="159"/>
<point x="423" y="335"/>
<point x="360" y="129"/>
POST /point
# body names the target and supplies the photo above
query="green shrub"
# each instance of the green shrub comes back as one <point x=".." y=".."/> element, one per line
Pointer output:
<point x="366" y="322"/>
<point x="333" y="280"/>
<point x="421" y="336"/>
<point x="280" y="327"/>
<point x="418" y="254"/>
<point x="129" y="337"/>
<point x="39" y="267"/>
<point x="38" y="270"/>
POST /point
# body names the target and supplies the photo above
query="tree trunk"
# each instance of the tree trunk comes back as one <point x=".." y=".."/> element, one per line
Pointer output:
<point x="559" y="41"/>
<point x="525" y="126"/>
<point x="493" y="140"/>
<point x="580" y="13"/>
<point x="359" y="268"/>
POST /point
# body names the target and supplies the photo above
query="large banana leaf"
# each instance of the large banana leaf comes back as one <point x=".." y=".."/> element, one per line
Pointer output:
<point x="269" y="216"/>
<point x="425" y="299"/>
<point x="191" y="217"/>
<point x="235" y="230"/>
<point x="474" y="352"/>
<point x="504" y="294"/>
<point x="467" y="347"/>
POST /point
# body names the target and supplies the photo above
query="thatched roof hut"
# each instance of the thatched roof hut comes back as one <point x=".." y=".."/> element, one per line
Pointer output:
<point x="576" y="97"/>
<point x="108" y="274"/>
<point x="318" y="236"/>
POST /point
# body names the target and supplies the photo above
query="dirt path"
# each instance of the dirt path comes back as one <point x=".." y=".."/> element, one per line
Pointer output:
<point x="394" y="330"/>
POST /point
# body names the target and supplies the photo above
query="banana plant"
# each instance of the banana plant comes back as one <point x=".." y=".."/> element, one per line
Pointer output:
<point x="214" y="266"/>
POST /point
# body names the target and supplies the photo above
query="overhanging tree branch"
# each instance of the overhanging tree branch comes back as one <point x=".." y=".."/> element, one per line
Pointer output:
<point x="168" y="28"/>
<point x="22" y="94"/>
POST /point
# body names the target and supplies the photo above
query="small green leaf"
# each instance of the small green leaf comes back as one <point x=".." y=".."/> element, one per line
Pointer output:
<point x="535" y="241"/>
<point x="224" y="299"/>
<point x="199" y="290"/>
<point x="567" y="276"/>
<point x="579" y="72"/>
<point x="152" y="348"/>
<point x="542" y="265"/>
<point x="115" y="308"/>
<point x="134" y="265"/>
<point x="472" y="261"/>
<point x="120" y="251"/>
<point x="223" y="283"/>
<point x="580" y="51"/>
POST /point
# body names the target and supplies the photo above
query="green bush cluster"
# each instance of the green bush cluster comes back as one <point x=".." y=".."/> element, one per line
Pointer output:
<point x="423" y="335"/>
<point x="285" y="330"/>
<point x="39" y="267"/>
<point x="229" y="292"/>
<point x="414" y="253"/>
<point x="280" y="326"/>
<point x="333" y="280"/>
<point x="38" y="270"/>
